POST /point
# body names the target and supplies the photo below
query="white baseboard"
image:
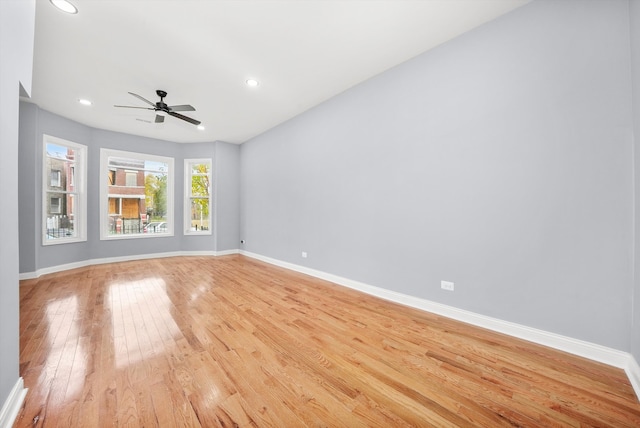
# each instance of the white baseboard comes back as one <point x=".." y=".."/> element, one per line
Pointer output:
<point x="12" y="404"/>
<point x="633" y="372"/>
<point x="91" y="262"/>
<point x="592" y="351"/>
<point x="227" y="252"/>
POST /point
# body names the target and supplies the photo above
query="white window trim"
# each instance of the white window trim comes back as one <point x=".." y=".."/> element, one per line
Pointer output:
<point x="188" y="196"/>
<point x="80" y="222"/>
<point x="104" y="194"/>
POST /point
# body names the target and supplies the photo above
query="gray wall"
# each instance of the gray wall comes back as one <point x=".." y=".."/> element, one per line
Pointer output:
<point x="17" y="20"/>
<point x="203" y="242"/>
<point x="227" y="200"/>
<point x="501" y="161"/>
<point x="29" y="231"/>
<point x="34" y="256"/>
<point x="31" y="197"/>
<point x="635" y="73"/>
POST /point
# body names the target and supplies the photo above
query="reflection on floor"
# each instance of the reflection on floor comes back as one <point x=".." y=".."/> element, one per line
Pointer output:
<point x="231" y="341"/>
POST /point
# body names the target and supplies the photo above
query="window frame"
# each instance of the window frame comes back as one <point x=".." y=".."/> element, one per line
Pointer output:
<point x="188" y="196"/>
<point x="105" y="174"/>
<point x="79" y="192"/>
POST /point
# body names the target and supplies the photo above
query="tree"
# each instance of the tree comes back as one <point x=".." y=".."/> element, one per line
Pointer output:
<point x="155" y="191"/>
<point x="200" y="187"/>
<point x="149" y="187"/>
<point x="200" y="194"/>
<point x="160" y="196"/>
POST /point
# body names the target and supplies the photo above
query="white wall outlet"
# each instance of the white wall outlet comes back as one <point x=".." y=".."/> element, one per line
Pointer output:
<point x="446" y="285"/>
<point x="304" y="254"/>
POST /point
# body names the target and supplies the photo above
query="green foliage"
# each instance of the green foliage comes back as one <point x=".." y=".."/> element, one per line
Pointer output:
<point x="155" y="191"/>
<point x="200" y="187"/>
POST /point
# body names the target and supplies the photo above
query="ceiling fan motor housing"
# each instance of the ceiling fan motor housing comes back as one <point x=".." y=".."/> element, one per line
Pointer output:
<point x="161" y="105"/>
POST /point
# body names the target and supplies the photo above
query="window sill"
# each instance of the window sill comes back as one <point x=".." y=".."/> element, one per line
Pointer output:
<point x="194" y="233"/>
<point x="135" y="236"/>
<point x="60" y="241"/>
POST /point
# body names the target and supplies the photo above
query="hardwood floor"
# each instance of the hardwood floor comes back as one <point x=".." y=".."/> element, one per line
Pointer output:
<point x="231" y="341"/>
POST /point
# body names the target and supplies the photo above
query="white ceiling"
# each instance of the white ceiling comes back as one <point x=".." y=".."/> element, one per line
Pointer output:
<point x="202" y="51"/>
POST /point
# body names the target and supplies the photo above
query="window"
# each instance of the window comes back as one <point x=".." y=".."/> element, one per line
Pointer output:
<point x="136" y="195"/>
<point x="197" y="192"/>
<point x="55" y="178"/>
<point x="114" y="206"/>
<point x="55" y="206"/>
<point x="64" y="202"/>
<point x="131" y="178"/>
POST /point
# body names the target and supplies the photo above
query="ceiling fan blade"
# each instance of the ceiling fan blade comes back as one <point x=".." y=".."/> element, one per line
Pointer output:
<point x="159" y="118"/>
<point x="142" y="120"/>
<point x="184" y="107"/>
<point x="143" y="99"/>
<point x="143" y="108"/>
<point x="183" y="117"/>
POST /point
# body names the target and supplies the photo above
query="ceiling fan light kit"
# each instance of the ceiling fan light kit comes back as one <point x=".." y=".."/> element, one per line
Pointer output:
<point x="162" y="109"/>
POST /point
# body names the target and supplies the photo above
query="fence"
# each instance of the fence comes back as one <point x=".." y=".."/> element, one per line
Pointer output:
<point x="127" y="226"/>
<point x="59" y="226"/>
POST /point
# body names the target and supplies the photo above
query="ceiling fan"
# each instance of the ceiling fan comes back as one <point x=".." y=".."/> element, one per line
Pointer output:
<point x="161" y="108"/>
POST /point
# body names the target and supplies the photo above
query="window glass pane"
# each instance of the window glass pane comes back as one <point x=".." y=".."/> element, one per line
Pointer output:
<point x="155" y="188"/>
<point x="59" y="165"/>
<point x="60" y="226"/>
<point x="200" y="185"/>
<point x="137" y="196"/>
<point x="60" y="216"/>
<point x="199" y="168"/>
<point x="54" y="205"/>
<point x="199" y="214"/>
<point x="63" y="199"/>
<point x="114" y="206"/>
<point x="71" y="205"/>
<point x="55" y="178"/>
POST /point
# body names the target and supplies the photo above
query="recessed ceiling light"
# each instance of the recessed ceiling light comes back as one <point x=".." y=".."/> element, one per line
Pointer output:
<point x="252" y="83"/>
<point x="201" y="128"/>
<point x="84" y="102"/>
<point x="64" y="6"/>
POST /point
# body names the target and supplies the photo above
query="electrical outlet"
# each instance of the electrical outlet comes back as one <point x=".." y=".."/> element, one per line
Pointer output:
<point x="446" y="285"/>
<point x="304" y="254"/>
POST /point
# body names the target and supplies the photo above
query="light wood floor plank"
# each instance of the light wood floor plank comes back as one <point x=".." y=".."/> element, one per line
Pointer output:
<point x="231" y="341"/>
